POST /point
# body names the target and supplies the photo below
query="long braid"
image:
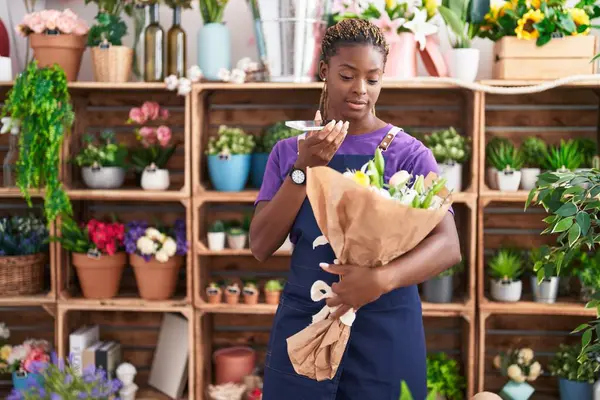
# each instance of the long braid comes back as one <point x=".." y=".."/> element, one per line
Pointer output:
<point x="352" y="31"/>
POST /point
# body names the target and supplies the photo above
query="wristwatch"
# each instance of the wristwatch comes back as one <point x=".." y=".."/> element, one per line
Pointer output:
<point x="298" y="176"/>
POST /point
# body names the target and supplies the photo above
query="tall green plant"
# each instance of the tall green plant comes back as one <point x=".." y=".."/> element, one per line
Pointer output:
<point x="212" y="10"/>
<point x="40" y="100"/>
<point x="566" y="156"/>
<point x="463" y="18"/>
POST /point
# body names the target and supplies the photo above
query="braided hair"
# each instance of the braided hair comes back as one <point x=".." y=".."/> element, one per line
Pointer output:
<point x="351" y="31"/>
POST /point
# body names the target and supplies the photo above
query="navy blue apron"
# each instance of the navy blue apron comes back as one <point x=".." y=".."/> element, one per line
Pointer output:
<point x="387" y="341"/>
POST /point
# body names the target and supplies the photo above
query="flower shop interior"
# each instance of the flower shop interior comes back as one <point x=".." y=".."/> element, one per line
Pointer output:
<point x="134" y="139"/>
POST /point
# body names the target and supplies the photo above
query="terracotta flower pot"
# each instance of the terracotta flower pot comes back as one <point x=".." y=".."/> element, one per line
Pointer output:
<point x="251" y="298"/>
<point x="64" y="50"/>
<point x="272" y="297"/>
<point x="231" y="298"/>
<point x="99" y="277"/>
<point x="156" y="280"/>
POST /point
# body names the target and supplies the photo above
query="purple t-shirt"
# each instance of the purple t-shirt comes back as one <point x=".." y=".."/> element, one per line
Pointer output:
<point x="404" y="153"/>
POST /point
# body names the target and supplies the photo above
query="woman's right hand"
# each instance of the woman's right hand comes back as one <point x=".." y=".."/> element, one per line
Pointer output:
<point x="319" y="147"/>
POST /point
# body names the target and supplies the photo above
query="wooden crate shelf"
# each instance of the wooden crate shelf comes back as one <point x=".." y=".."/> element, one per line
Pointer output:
<point x="563" y="306"/>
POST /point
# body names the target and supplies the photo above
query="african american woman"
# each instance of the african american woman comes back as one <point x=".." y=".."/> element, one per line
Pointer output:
<point x="387" y="343"/>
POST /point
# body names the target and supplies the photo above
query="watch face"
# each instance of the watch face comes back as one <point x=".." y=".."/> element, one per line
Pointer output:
<point x="298" y="176"/>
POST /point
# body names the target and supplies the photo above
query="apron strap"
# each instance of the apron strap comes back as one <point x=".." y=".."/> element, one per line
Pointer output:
<point x="389" y="138"/>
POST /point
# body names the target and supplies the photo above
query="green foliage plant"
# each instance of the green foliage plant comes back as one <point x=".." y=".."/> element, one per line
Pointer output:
<point x="273" y="134"/>
<point x="534" y="151"/>
<point x="40" y="100"/>
<point x="504" y="156"/>
<point x="109" y="25"/>
<point x="74" y="238"/>
<point x="273" y="285"/>
<point x="565" y="156"/>
<point x="106" y="153"/>
<point x="447" y="146"/>
<point x="444" y="377"/>
<point x="506" y="265"/>
<point x="463" y="18"/>
<point x="589" y="150"/>
<point x="212" y="10"/>
<point x="567" y="365"/>
<point x="405" y="393"/>
<point x="491" y="147"/>
<point x="217" y="227"/>
<point x="230" y="141"/>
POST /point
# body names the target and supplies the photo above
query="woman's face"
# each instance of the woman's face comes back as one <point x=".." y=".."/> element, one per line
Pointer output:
<point x="353" y="77"/>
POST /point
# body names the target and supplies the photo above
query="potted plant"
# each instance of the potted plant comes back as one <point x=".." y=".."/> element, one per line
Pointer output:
<point x="156" y="255"/>
<point x="214" y="293"/>
<point x="273" y="289"/>
<point x="505" y="270"/>
<point x="544" y="288"/>
<point x="216" y="236"/>
<point x="463" y="18"/>
<point x="444" y="377"/>
<point x="440" y="288"/>
<point x="589" y="150"/>
<point x="23" y="255"/>
<point x="236" y="238"/>
<point x="214" y="42"/>
<point x="23" y="362"/>
<point x="56" y="37"/>
<point x="450" y="150"/>
<point x="59" y="378"/>
<point x="229" y="155"/>
<point x="534" y="153"/>
<point x="112" y="61"/>
<point x="576" y="376"/>
<point x="508" y="161"/>
<point x="232" y="293"/>
<point x="251" y="292"/>
<point x="520" y="366"/>
<point x="97" y="253"/>
<point x="264" y="145"/>
<point x="567" y="156"/>
<point x="103" y="164"/>
<point x="151" y="159"/>
<point x="32" y="103"/>
<point x="491" y="173"/>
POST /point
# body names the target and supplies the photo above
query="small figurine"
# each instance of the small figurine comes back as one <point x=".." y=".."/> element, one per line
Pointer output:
<point x="126" y="374"/>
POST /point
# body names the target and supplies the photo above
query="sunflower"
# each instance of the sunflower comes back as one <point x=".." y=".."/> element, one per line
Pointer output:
<point x="580" y="17"/>
<point x="525" y="29"/>
<point x="492" y="16"/>
<point x="536" y="4"/>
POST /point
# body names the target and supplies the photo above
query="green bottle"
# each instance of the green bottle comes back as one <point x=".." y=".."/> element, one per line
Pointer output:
<point x="154" y="36"/>
<point x="176" y="46"/>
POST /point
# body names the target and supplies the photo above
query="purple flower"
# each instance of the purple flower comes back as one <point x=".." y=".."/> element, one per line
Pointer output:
<point x="181" y="237"/>
<point x="55" y="396"/>
<point x="15" y="395"/>
<point x="133" y="231"/>
<point x="68" y="379"/>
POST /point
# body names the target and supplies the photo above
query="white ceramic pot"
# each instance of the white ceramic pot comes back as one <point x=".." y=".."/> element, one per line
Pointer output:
<point x="236" y="242"/>
<point x="5" y="69"/>
<point x="155" y="179"/>
<point x="216" y="241"/>
<point x="505" y="290"/>
<point x="529" y="177"/>
<point x="509" y="181"/>
<point x="103" y="177"/>
<point x="491" y="175"/>
<point x="546" y="291"/>
<point x="453" y="174"/>
<point x="464" y="64"/>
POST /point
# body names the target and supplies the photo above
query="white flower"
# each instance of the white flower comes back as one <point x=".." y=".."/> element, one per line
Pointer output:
<point x="224" y="74"/>
<point x="171" y="81"/>
<point x="253" y="66"/>
<point x="400" y="178"/>
<point x="534" y="371"/>
<point x="238" y="76"/>
<point x="526" y="354"/>
<point x="408" y="196"/>
<point x="4" y="331"/>
<point x="420" y="27"/>
<point x="18" y="353"/>
<point x="185" y="86"/>
<point x="194" y="73"/>
<point x="169" y="247"/>
<point x="10" y="124"/>
<point x="515" y="373"/>
<point x="244" y="63"/>
<point x="146" y="245"/>
<point x="153" y="233"/>
<point x="162" y="256"/>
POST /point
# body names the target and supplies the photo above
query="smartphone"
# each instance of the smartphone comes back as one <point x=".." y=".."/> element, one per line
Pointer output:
<point x="307" y="125"/>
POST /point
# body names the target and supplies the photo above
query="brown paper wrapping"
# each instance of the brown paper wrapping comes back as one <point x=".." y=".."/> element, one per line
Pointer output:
<point x="363" y="229"/>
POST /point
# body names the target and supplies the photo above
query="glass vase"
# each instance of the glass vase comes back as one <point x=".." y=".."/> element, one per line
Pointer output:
<point x="176" y="47"/>
<point x="141" y="19"/>
<point x="154" y="37"/>
<point x="9" y="165"/>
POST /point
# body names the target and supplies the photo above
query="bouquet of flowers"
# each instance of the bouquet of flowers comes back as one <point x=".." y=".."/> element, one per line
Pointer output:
<point x="24" y="357"/>
<point x="146" y="241"/>
<point x="352" y="209"/>
<point x="52" y="22"/>
<point x="392" y="17"/>
<point x="519" y="366"/>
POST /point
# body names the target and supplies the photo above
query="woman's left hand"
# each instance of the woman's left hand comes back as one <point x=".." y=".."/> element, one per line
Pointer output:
<point x="358" y="286"/>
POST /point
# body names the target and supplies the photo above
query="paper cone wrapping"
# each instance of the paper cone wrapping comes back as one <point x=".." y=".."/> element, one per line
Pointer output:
<point x="363" y="229"/>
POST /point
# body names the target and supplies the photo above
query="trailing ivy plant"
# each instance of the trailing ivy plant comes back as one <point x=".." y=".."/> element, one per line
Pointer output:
<point x="40" y="100"/>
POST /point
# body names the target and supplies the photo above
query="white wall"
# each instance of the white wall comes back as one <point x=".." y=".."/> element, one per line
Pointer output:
<point x="237" y="16"/>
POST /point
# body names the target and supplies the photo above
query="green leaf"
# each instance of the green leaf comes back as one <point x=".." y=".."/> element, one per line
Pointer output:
<point x="530" y="198"/>
<point x="584" y="222"/>
<point x="563" y="225"/>
<point x="574" y="234"/>
<point x="580" y="328"/>
<point x="567" y="210"/>
<point x="452" y="20"/>
<point x="586" y="338"/>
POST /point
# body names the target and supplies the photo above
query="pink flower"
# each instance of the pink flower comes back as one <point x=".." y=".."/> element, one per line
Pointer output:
<point x="68" y="13"/>
<point x="81" y="28"/>
<point x="389" y="27"/>
<point x="137" y="115"/>
<point x="151" y="109"/>
<point x="50" y="17"/>
<point x="66" y="25"/>
<point x="36" y="355"/>
<point x="36" y="23"/>
<point x="148" y="136"/>
<point x="163" y="134"/>
<point x="164" y="113"/>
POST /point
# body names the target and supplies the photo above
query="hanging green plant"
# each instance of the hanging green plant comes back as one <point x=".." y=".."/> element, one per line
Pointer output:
<point x="40" y="100"/>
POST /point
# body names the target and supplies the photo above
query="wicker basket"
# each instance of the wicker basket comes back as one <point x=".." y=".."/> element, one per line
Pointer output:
<point x="22" y="275"/>
<point x="112" y="64"/>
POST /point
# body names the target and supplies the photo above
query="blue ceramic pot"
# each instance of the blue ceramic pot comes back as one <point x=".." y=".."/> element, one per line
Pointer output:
<point x="229" y="174"/>
<point x="214" y="49"/>
<point x="257" y="169"/>
<point x="572" y="390"/>
<point x="24" y="380"/>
